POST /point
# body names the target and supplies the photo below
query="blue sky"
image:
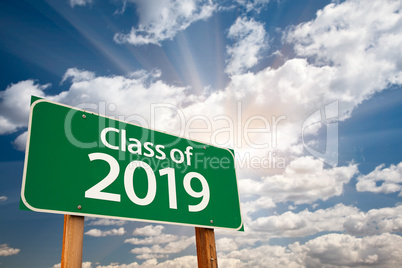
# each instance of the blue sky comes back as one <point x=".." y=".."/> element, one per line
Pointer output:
<point x="307" y="93"/>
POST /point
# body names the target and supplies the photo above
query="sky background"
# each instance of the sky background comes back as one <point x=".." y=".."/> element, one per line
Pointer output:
<point x="317" y="83"/>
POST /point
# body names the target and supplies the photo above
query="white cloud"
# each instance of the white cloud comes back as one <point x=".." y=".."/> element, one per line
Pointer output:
<point x="303" y="181"/>
<point x="275" y="256"/>
<point x="304" y="223"/>
<point x="249" y="40"/>
<point x="161" y="20"/>
<point x="106" y="222"/>
<point x="151" y="256"/>
<point x="158" y="239"/>
<point x="79" y="2"/>
<point x="171" y="247"/>
<point x="253" y="206"/>
<point x="20" y="143"/>
<point x="77" y="75"/>
<point x="3" y="198"/>
<point x="100" y="233"/>
<point x="5" y="250"/>
<point x="339" y="218"/>
<point x="359" y="40"/>
<point x="14" y="104"/>
<point x="375" y="221"/>
<point x="181" y="262"/>
<point x="383" y="250"/>
<point x="155" y="237"/>
<point x="226" y="244"/>
<point x="331" y="250"/>
<point x="381" y="180"/>
<point x="149" y="230"/>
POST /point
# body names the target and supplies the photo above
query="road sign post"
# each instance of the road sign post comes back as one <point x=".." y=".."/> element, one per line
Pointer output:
<point x="206" y="249"/>
<point x="73" y="235"/>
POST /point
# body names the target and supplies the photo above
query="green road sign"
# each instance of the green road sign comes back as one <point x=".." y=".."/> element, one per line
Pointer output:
<point x="80" y="163"/>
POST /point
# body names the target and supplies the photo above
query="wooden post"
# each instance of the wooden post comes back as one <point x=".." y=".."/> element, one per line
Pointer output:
<point x="206" y="250"/>
<point x="71" y="255"/>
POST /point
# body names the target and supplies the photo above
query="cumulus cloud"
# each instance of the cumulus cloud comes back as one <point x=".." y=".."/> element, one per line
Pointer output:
<point x="249" y="40"/>
<point x="359" y="40"/>
<point x="100" y="233"/>
<point x="276" y="256"/>
<point x="381" y="180"/>
<point x="263" y="202"/>
<point x="20" y="142"/>
<point x="172" y="247"/>
<point x="163" y="244"/>
<point x="77" y="75"/>
<point x="304" y="223"/>
<point x="305" y="180"/>
<point x="14" y="104"/>
<point x="339" y="218"/>
<point x="106" y="222"/>
<point x="181" y="262"/>
<point x="331" y="250"/>
<point x="345" y="250"/>
<point x="226" y="244"/>
<point x="5" y="250"/>
<point x="375" y="221"/>
<point x="159" y="239"/>
<point x="161" y="20"/>
<point x="149" y="230"/>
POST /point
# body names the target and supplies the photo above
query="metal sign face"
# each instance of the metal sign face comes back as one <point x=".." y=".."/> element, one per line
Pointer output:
<point x="81" y="163"/>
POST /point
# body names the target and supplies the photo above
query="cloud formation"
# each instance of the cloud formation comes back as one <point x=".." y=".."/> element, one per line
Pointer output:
<point x="162" y="244"/>
<point x="181" y="262"/>
<point x="162" y="20"/>
<point x="100" y="233"/>
<point x="358" y="41"/>
<point x="330" y="250"/>
<point x="105" y="222"/>
<point x="340" y="218"/>
<point x="304" y="180"/>
<point x="149" y="230"/>
<point x="5" y="250"/>
<point x="375" y="221"/>
<point x="14" y="104"/>
<point x="249" y="40"/>
<point x="345" y="250"/>
<point x="381" y="180"/>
